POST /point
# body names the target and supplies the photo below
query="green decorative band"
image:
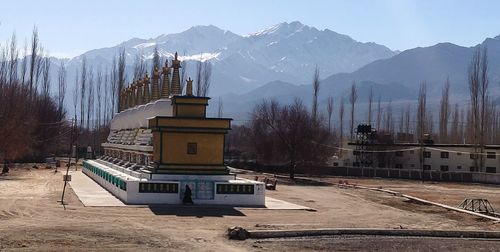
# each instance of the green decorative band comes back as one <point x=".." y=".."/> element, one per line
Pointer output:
<point x="118" y="182"/>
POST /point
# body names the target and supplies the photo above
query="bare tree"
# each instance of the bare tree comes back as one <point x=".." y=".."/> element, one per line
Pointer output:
<point x="379" y="114"/>
<point x="120" y="79"/>
<point x="421" y="111"/>
<point x="421" y="121"/>
<point x="106" y="96"/>
<point x="388" y="120"/>
<point x="61" y="74"/>
<point x="407" y="126"/>
<point x="207" y="78"/>
<point x="219" y="108"/>
<point x="484" y="99"/>
<point x="341" y="118"/>
<point x="370" y="101"/>
<point x="474" y="73"/>
<point x="315" y="85"/>
<point x="98" y="84"/>
<point x="139" y="66"/>
<point x="444" y="113"/>
<point x="75" y="95"/>
<point x="293" y="132"/>
<point x="83" y="90"/>
<point x="34" y="54"/>
<point x="90" y="99"/>
<point x="199" y="80"/>
<point x="24" y="62"/>
<point x="183" y="71"/>
<point x="353" y="97"/>
<point x="156" y="59"/>
<point x="46" y="76"/>
<point x="14" y="54"/>
<point x="455" y="125"/>
<point x="329" y="110"/>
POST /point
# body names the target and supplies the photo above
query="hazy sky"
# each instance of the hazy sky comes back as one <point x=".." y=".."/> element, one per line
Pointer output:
<point x="68" y="28"/>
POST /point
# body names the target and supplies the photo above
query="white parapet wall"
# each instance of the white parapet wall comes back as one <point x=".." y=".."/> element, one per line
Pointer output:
<point x="132" y="188"/>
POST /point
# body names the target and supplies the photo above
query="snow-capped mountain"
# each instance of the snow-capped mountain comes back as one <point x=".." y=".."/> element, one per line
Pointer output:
<point x="286" y="51"/>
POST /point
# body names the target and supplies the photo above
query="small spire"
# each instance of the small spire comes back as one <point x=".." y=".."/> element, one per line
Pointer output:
<point x="189" y="87"/>
<point x="156" y="85"/>
<point x="176" y="82"/>
<point x="145" y="87"/>
<point x="130" y="102"/>
<point x="165" y="89"/>
<point x="133" y="101"/>
<point x="138" y="98"/>
<point x="124" y="101"/>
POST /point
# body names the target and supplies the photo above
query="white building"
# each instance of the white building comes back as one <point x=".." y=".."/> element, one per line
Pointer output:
<point x="436" y="157"/>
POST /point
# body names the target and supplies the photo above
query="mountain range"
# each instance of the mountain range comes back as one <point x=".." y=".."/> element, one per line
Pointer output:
<point x="279" y="62"/>
<point x="286" y="51"/>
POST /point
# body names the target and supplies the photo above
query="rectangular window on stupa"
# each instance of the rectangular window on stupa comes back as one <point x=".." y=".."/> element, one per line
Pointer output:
<point x="192" y="148"/>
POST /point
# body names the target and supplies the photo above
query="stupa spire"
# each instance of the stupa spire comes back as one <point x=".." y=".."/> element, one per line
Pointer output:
<point x="145" y="87"/>
<point x="123" y="99"/>
<point x="133" y="101"/>
<point x="130" y="102"/>
<point x="165" y="89"/>
<point x="189" y="87"/>
<point x="156" y="85"/>
<point x="138" y="99"/>
<point x="176" y="80"/>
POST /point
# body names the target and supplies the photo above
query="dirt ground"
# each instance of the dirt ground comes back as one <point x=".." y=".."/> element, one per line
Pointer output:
<point x="32" y="219"/>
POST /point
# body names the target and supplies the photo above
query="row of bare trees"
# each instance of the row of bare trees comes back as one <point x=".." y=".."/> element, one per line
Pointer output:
<point x="31" y="116"/>
<point x="280" y="133"/>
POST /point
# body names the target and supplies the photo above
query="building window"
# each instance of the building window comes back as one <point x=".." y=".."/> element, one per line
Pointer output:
<point x="459" y="153"/>
<point x="381" y="165"/>
<point x="355" y="164"/>
<point x="473" y="169"/>
<point x="459" y="167"/>
<point x="427" y="154"/>
<point x="355" y="153"/>
<point x="399" y="166"/>
<point x="473" y="156"/>
<point x="445" y="154"/>
<point x="412" y="152"/>
<point x="192" y="148"/>
<point x="444" y="168"/>
<point x="490" y="155"/>
<point x="427" y="167"/>
<point x="399" y="153"/>
<point x="491" y="169"/>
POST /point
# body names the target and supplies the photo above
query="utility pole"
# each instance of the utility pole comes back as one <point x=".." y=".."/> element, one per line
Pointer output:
<point x="73" y="123"/>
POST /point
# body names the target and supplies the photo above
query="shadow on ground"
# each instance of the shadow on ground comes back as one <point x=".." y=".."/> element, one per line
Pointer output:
<point x="195" y="211"/>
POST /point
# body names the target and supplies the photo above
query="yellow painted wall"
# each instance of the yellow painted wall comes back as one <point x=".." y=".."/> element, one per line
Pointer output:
<point x="183" y="122"/>
<point x="209" y="148"/>
<point x="156" y="150"/>
<point x="190" y="111"/>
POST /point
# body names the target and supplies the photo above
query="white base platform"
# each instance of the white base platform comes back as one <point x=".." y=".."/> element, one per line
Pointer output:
<point x="137" y="188"/>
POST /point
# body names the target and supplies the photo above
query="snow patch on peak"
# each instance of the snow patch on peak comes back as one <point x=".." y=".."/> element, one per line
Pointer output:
<point x="265" y="31"/>
<point x="144" y="45"/>
<point x="272" y="43"/>
<point x="201" y="57"/>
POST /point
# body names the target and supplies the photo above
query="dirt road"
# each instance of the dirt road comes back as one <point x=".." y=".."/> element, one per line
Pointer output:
<point x="32" y="219"/>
